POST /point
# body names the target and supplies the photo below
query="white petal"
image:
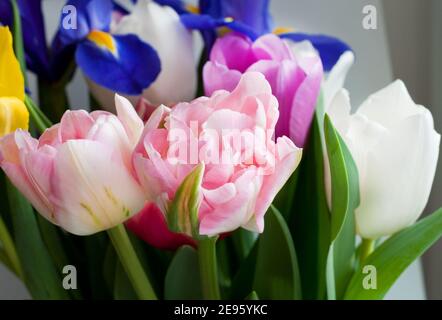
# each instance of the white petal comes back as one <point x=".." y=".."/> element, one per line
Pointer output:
<point x="129" y="118"/>
<point x="336" y="77"/>
<point x="400" y="173"/>
<point x="390" y="105"/>
<point x="160" y="26"/>
<point x="93" y="190"/>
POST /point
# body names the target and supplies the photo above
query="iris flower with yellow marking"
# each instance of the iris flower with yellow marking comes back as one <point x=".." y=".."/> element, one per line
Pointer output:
<point x="13" y="112"/>
<point x="122" y="63"/>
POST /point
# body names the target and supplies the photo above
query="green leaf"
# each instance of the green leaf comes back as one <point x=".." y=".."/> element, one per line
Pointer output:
<point x="242" y="242"/>
<point x="310" y="218"/>
<point x="284" y="200"/>
<point x="8" y="253"/>
<point x="94" y="249"/>
<point x="183" y="211"/>
<point x="242" y="283"/>
<point x="252" y="296"/>
<point x="393" y="256"/>
<point x="183" y="278"/>
<point x="53" y="238"/>
<point x="41" y="276"/>
<point x="18" y="38"/>
<point x="277" y="274"/>
<point x="345" y="199"/>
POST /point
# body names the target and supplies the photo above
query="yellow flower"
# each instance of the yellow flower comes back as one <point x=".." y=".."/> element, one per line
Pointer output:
<point x="13" y="112"/>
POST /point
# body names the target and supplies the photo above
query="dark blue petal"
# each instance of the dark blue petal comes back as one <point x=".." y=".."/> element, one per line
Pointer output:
<point x="34" y="36"/>
<point x="177" y="5"/>
<point x="130" y="70"/>
<point x="91" y="15"/>
<point x="120" y="8"/>
<point x="252" y="13"/>
<point x="5" y="13"/>
<point x="205" y="22"/>
<point x="330" y="48"/>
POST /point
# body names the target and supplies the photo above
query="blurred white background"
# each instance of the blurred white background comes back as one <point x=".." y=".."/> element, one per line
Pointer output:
<point x="406" y="44"/>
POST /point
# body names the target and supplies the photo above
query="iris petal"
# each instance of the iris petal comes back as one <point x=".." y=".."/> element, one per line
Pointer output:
<point x="252" y="13"/>
<point x="128" y="66"/>
<point x="90" y="15"/>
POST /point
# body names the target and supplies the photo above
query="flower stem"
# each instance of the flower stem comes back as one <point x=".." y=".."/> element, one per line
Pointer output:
<point x="39" y="119"/>
<point x="367" y="247"/>
<point x="131" y="263"/>
<point x="208" y="268"/>
<point x="9" y="249"/>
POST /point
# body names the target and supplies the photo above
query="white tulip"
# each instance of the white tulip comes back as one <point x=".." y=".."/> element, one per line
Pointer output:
<point x="395" y="148"/>
<point x="160" y="27"/>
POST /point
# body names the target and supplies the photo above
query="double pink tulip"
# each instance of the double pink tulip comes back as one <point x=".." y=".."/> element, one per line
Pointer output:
<point x="294" y="71"/>
<point x="94" y="171"/>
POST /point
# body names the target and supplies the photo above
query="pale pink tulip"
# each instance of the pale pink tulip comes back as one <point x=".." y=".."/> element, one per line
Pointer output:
<point x="79" y="174"/>
<point x="234" y="191"/>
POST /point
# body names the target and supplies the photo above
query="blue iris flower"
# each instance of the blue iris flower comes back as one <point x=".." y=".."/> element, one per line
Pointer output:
<point x="121" y="63"/>
<point x="252" y="18"/>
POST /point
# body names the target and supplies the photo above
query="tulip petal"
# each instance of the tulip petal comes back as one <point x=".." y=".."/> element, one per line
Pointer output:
<point x="11" y="79"/>
<point x="234" y="51"/>
<point x="129" y="69"/>
<point x="392" y="196"/>
<point x="219" y="77"/>
<point x="304" y="103"/>
<point x="90" y="15"/>
<point x="129" y="118"/>
<point x="330" y="48"/>
<point x="230" y="215"/>
<point x="14" y="150"/>
<point x="93" y="199"/>
<point x="13" y="115"/>
<point x="390" y="105"/>
<point x="75" y="125"/>
<point x="151" y="226"/>
<point x="336" y="78"/>
<point x="288" y="157"/>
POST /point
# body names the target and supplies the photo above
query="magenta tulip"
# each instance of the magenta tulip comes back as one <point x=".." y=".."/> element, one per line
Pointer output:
<point x="294" y="71"/>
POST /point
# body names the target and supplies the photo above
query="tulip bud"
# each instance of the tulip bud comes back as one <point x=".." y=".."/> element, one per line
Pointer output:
<point x="13" y="112"/>
<point x="396" y="149"/>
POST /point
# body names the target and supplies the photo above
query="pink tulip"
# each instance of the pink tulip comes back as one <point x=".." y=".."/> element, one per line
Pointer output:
<point x="79" y="174"/>
<point x="294" y="71"/>
<point x="235" y="183"/>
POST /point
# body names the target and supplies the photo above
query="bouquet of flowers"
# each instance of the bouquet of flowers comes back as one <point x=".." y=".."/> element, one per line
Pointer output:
<point x="242" y="175"/>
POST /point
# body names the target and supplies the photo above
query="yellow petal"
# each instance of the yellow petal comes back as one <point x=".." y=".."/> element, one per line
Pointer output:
<point x="103" y="40"/>
<point x="281" y="30"/>
<point x="11" y="79"/>
<point x="13" y="115"/>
